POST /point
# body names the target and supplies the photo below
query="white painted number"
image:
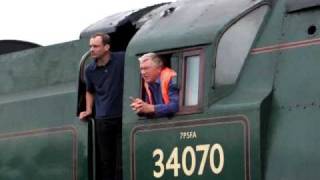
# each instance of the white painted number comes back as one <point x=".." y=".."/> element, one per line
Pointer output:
<point x="188" y="160"/>
<point x="172" y="162"/>
<point x="216" y="147"/>
<point x="188" y="171"/>
<point x="159" y="174"/>
<point x="205" y="149"/>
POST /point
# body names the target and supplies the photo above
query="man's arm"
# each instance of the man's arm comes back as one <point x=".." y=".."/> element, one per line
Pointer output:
<point x="89" y="106"/>
<point x="159" y="110"/>
<point x="162" y="110"/>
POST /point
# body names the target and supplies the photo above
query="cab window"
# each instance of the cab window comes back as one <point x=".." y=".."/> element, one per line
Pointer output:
<point x="234" y="47"/>
<point x="191" y="92"/>
<point x="191" y="89"/>
<point x="188" y="65"/>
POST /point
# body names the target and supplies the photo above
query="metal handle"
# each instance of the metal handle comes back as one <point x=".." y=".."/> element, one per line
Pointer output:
<point x="94" y="170"/>
<point x="83" y="60"/>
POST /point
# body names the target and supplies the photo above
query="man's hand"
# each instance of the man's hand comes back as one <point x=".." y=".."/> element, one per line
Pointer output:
<point x="89" y="104"/>
<point x="84" y="114"/>
<point x="136" y="104"/>
<point x="139" y="106"/>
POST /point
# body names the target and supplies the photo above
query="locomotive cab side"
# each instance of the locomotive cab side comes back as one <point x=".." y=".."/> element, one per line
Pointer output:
<point x="211" y="135"/>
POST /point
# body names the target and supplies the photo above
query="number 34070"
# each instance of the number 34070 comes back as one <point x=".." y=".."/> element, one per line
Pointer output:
<point x="187" y="163"/>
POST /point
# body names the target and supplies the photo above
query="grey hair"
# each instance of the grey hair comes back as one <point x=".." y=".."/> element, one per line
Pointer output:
<point x="153" y="57"/>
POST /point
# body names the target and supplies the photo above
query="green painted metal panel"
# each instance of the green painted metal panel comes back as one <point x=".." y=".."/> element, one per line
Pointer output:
<point x="184" y="141"/>
<point x="40" y="135"/>
<point x="185" y="26"/>
<point x="46" y="154"/>
<point x="293" y="143"/>
<point x="40" y="67"/>
<point x="292" y="136"/>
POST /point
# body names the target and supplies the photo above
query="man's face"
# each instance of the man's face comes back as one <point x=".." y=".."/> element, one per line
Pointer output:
<point x="97" y="49"/>
<point x="149" y="71"/>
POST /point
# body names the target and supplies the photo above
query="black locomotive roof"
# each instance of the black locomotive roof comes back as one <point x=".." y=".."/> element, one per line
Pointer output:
<point x="8" y="46"/>
<point x="298" y="5"/>
<point x="111" y="23"/>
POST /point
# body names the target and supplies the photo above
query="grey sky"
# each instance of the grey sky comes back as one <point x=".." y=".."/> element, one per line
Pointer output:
<point x="49" y="22"/>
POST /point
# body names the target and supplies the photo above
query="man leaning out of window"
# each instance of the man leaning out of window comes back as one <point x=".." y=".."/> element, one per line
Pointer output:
<point x="162" y="95"/>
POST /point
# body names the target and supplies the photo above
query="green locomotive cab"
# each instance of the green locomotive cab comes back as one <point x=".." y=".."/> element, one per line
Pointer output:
<point x="207" y="48"/>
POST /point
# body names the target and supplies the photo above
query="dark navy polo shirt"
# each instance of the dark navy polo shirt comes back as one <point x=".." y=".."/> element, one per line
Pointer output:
<point x="106" y="83"/>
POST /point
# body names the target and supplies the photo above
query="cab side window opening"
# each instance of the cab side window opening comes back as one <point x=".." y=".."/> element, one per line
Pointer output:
<point x="189" y="68"/>
<point x="168" y="60"/>
<point x="235" y="45"/>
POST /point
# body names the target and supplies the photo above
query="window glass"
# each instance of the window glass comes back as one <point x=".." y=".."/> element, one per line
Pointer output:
<point x="234" y="46"/>
<point x="192" y="81"/>
<point x="175" y="63"/>
<point x="175" y="66"/>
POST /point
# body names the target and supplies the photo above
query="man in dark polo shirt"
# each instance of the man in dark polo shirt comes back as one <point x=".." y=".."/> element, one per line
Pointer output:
<point x="104" y="82"/>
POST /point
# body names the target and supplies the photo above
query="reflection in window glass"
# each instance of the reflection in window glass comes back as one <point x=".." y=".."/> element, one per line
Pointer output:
<point x="175" y="63"/>
<point x="234" y="46"/>
<point x="192" y="81"/>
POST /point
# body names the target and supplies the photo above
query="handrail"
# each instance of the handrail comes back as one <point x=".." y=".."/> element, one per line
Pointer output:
<point x="81" y="81"/>
<point x="83" y="60"/>
<point x="94" y="170"/>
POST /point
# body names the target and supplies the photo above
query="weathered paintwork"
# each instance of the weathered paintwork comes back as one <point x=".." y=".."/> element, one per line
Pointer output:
<point x="188" y="28"/>
<point x="276" y="90"/>
<point x="188" y="25"/>
<point x="263" y="126"/>
<point x="40" y="137"/>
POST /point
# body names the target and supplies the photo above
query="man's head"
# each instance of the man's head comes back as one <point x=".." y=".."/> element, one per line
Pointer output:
<point x="99" y="45"/>
<point x="150" y="67"/>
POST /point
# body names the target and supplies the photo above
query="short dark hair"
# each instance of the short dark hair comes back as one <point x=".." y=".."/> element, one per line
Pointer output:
<point x="105" y="37"/>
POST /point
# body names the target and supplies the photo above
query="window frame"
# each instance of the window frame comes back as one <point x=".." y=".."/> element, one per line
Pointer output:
<point x="194" y="108"/>
<point x="226" y="87"/>
<point x="182" y="55"/>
